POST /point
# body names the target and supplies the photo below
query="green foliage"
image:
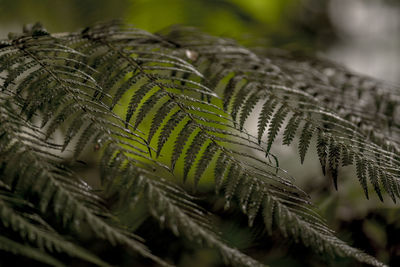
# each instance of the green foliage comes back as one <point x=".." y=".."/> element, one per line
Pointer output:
<point x="150" y="106"/>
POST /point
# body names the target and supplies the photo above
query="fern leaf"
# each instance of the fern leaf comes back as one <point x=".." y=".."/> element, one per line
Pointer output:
<point x="265" y="115"/>
<point x="254" y="205"/>
<point x="158" y="118"/>
<point x="27" y="251"/>
<point x="240" y="99"/>
<point x="84" y="138"/>
<point x="268" y="213"/>
<point x="275" y="125"/>
<point x="232" y="184"/>
<point x="290" y="129"/>
<point x="136" y="98"/>
<point x="167" y="129"/>
<point x="197" y="231"/>
<point x="43" y="239"/>
<point x="173" y="208"/>
<point x="275" y="213"/>
<point x="305" y="139"/>
<point x="72" y="130"/>
<point x="60" y="117"/>
<point x="219" y="171"/>
<point x="230" y="89"/>
<point x="388" y="183"/>
<point x="125" y="87"/>
<point x="322" y="150"/>
<point x="38" y="178"/>
<point x="334" y="159"/>
<point x="204" y="161"/>
<point x="147" y="106"/>
<point x="361" y="170"/>
<point x="181" y="140"/>
<point x="347" y="156"/>
<point x="247" y="108"/>
<point x="192" y="153"/>
<point x="245" y="191"/>
<point x="374" y="179"/>
<point x="69" y="69"/>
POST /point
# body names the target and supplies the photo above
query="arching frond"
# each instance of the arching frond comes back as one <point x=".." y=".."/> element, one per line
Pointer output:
<point x="42" y="238"/>
<point x="16" y="248"/>
<point x="33" y="173"/>
<point x="310" y="87"/>
<point x="174" y="107"/>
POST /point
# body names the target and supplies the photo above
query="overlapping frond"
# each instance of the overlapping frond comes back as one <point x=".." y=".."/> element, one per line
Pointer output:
<point x="40" y="235"/>
<point x="172" y="207"/>
<point x="32" y="171"/>
<point x="160" y="108"/>
<point x="91" y="121"/>
<point x="315" y="97"/>
<point x="24" y="250"/>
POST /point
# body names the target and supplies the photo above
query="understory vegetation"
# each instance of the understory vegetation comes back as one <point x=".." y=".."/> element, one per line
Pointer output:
<point x="122" y="147"/>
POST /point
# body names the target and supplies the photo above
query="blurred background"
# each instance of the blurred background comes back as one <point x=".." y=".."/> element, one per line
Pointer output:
<point x="364" y="35"/>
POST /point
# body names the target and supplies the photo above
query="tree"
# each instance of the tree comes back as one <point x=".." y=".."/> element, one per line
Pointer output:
<point x="158" y="109"/>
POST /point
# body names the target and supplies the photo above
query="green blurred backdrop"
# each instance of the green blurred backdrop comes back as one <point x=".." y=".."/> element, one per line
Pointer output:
<point x="237" y="18"/>
<point x="363" y="34"/>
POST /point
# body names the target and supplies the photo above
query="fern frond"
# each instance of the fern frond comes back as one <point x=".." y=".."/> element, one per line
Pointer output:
<point x="290" y="129"/>
<point x="174" y="208"/>
<point x="27" y="251"/>
<point x="247" y="108"/>
<point x="117" y="89"/>
<point x="284" y="80"/>
<point x="361" y="169"/>
<point x="265" y="115"/>
<point x="181" y="140"/>
<point x="342" y="89"/>
<point x="167" y="129"/>
<point x="114" y="159"/>
<point x="204" y="160"/>
<point x="136" y="99"/>
<point x="334" y="159"/>
<point x="288" y="213"/>
<point x="161" y="113"/>
<point x="43" y="239"/>
<point x="148" y="106"/>
<point x="51" y="185"/>
<point x="192" y="152"/>
<point x="276" y="124"/>
<point x="373" y="177"/>
<point x="305" y="138"/>
<point x="240" y="98"/>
